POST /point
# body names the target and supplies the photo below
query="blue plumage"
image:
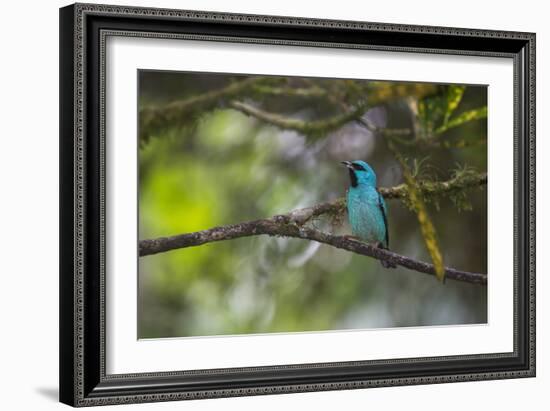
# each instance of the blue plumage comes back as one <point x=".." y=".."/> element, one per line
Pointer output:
<point x="367" y="211"/>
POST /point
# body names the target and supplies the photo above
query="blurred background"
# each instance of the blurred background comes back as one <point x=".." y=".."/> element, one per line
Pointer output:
<point x="209" y="156"/>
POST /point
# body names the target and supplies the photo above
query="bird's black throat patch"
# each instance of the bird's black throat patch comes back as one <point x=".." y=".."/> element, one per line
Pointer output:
<point x="353" y="178"/>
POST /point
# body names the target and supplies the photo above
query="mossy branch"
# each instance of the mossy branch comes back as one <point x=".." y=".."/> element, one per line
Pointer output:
<point x="304" y="92"/>
<point x="316" y="127"/>
<point x="293" y="224"/>
<point x="426" y="189"/>
<point x="181" y="112"/>
<point x="283" y="226"/>
<point x="176" y="113"/>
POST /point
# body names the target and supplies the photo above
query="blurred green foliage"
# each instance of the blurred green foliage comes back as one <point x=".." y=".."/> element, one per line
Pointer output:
<point x="218" y="166"/>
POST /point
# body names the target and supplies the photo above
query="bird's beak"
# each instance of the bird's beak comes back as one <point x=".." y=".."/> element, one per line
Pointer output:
<point x="347" y="164"/>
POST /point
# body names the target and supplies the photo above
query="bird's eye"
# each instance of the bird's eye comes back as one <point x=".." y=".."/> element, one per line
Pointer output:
<point x="358" y="167"/>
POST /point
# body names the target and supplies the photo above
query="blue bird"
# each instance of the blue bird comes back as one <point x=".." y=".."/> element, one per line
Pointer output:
<point x="367" y="211"/>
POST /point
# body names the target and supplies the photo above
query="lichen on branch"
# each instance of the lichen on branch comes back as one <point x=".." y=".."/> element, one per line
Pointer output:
<point x="418" y="205"/>
<point x="154" y="118"/>
<point x="284" y="226"/>
<point x="294" y="225"/>
<point x="181" y="112"/>
<point x="311" y="128"/>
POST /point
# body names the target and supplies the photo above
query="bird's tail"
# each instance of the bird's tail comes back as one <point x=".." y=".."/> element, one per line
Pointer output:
<point x="386" y="263"/>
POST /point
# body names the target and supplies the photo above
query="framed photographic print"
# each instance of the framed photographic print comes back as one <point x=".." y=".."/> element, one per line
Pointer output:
<point x="260" y="205"/>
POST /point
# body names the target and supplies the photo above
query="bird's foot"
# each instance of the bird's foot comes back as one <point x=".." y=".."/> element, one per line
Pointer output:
<point x="386" y="263"/>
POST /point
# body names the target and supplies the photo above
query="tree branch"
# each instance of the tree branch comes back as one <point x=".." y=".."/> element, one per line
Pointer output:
<point x="178" y="112"/>
<point x="293" y="225"/>
<point x="283" y="226"/>
<point x="287" y="91"/>
<point x="378" y="94"/>
<point x="302" y="126"/>
<point x="427" y="189"/>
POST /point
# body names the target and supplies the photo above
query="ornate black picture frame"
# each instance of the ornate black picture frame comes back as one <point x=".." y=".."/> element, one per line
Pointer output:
<point x="83" y="379"/>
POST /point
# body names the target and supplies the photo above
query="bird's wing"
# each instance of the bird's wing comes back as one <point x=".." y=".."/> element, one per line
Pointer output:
<point x="384" y="210"/>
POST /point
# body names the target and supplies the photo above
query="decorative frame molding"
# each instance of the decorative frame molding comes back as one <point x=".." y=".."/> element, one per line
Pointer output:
<point x="83" y="31"/>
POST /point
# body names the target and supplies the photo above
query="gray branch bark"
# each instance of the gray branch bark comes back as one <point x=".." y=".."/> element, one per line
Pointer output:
<point x="293" y="225"/>
<point x="285" y="226"/>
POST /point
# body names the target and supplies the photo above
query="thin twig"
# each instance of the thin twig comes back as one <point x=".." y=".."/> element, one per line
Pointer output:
<point x="302" y="126"/>
<point x="287" y="91"/>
